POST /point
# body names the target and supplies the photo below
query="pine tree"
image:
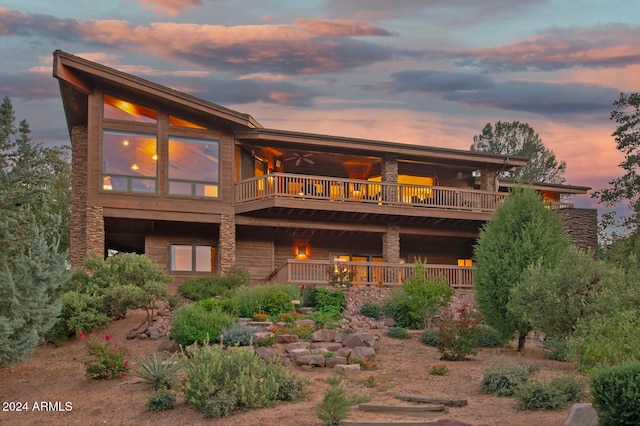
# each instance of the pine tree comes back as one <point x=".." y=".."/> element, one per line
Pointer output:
<point x="521" y="233"/>
<point x="32" y="267"/>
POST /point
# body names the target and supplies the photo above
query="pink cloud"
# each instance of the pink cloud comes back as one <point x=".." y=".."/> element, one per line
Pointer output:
<point x="601" y="46"/>
<point x="169" y="7"/>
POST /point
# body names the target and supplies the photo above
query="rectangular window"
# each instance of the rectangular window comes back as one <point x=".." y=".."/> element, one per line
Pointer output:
<point x="465" y="262"/>
<point x="129" y="161"/>
<point x="192" y="258"/>
<point x="194" y="167"/>
<point x="117" y="109"/>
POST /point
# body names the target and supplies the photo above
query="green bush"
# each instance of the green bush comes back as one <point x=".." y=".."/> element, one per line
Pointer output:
<point x="398" y="333"/>
<point x="272" y="299"/>
<point x="398" y="307"/>
<point x="161" y="400"/>
<point x="160" y="373"/>
<point x="238" y="335"/>
<point x="203" y="288"/>
<point x="430" y="337"/>
<point x="487" y="336"/>
<point x="226" y="305"/>
<point x="325" y="318"/>
<point x="425" y="295"/>
<point x="616" y="392"/>
<point x="218" y="382"/>
<point x="556" y="349"/>
<point x="336" y="403"/>
<point x="328" y="300"/>
<point x="106" y="290"/>
<point x="80" y="312"/>
<point x="502" y="380"/>
<point x="371" y="310"/>
<point x="194" y="323"/>
<point x="570" y="386"/>
<point x="538" y="396"/>
<point x="548" y="396"/>
<point x="606" y="340"/>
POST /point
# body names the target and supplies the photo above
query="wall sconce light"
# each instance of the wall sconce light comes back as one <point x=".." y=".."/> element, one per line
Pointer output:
<point x="278" y="163"/>
<point x="302" y="250"/>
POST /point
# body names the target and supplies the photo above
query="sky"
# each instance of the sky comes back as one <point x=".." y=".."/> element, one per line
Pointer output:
<point x="426" y="72"/>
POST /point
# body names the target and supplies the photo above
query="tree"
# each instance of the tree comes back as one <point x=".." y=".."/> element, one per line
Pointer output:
<point x="553" y="300"/>
<point x="32" y="267"/>
<point x="521" y="233"/>
<point x="626" y="114"/>
<point x="519" y="139"/>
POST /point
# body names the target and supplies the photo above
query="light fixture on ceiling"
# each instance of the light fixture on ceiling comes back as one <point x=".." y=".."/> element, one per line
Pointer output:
<point x="134" y="166"/>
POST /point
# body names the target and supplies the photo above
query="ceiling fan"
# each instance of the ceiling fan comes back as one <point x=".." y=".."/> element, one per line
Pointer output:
<point x="300" y="157"/>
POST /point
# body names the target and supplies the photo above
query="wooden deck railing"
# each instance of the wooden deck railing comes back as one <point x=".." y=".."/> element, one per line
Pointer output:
<point x="285" y="185"/>
<point x="318" y="272"/>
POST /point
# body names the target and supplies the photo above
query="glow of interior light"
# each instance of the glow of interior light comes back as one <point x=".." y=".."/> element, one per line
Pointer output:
<point x="155" y="157"/>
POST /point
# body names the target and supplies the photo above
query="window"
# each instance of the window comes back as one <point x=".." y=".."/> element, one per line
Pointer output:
<point x="192" y="258"/>
<point x="129" y="162"/>
<point x="194" y="167"/>
<point x="117" y="109"/>
<point x="465" y="262"/>
<point x="179" y="122"/>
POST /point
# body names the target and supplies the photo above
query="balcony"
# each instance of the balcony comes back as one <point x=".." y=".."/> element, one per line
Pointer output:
<point x="354" y="192"/>
<point x="318" y="272"/>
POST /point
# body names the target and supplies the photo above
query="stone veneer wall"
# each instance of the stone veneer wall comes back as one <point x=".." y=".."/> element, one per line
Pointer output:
<point x="488" y="181"/>
<point x="227" y="244"/>
<point x="580" y="227"/>
<point x="87" y="222"/>
<point x="389" y="172"/>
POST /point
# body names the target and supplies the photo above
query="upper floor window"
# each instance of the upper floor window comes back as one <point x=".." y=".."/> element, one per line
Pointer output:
<point x="117" y="109"/>
<point x="179" y="122"/>
<point x="129" y="161"/>
<point x="194" y="167"/>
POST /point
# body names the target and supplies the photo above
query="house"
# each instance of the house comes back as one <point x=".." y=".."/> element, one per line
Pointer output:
<point x="200" y="188"/>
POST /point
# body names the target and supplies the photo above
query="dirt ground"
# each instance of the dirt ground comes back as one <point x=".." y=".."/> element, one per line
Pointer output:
<point x="54" y="375"/>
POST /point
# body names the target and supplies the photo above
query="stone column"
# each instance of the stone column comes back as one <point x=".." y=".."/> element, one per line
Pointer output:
<point x="391" y="251"/>
<point x="389" y="172"/>
<point x="581" y="228"/>
<point x="87" y="222"/>
<point x="488" y="180"/>
<point x="227" y="243"/>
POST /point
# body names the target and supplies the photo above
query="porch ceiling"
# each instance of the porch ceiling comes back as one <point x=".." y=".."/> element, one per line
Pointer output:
<point x="342" y="222"/>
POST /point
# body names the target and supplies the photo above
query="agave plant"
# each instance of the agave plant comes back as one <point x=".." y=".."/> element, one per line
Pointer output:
<point x="156" y="370"/>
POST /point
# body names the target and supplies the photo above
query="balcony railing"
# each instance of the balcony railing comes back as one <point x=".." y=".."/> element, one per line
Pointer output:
<point x="318" y="272"/>
<point x="285" y="185"/>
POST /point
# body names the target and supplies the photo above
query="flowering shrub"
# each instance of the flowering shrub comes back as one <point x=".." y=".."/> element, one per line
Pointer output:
<point x="458" y="334"/>
<point x="364" y="365"/>
<point x="439" y="370"/>
<point x="304" y="331"/>
<point x="260" y="316"/>
<point x="289" y="316"/>
<point x="106" y="360"/>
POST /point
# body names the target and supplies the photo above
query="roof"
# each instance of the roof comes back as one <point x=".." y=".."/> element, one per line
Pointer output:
<point x="80" y="77"/>
<point x="84" y="76"/>
<point x="545" y="186"/>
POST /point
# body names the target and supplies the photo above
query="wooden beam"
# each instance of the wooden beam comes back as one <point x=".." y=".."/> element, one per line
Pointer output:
<point x="427" y="400"/>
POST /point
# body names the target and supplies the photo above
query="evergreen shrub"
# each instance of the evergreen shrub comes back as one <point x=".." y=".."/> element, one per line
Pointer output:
<point x="616" y="392"/>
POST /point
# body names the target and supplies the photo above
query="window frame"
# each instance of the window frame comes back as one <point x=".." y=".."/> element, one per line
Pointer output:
<point x="194" y="259"/>
<point x="195" y="184"/>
